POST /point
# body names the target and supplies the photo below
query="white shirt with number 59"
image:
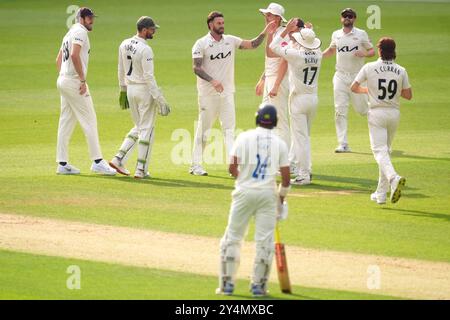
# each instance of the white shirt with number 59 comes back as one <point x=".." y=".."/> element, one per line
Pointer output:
<point x="385" y="81"/>
<point x="136" y="64"/>
<point x="260" y="154"/>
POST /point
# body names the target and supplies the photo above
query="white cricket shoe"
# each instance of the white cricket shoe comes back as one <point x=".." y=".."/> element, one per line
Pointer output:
<point x="103" y="168"/>
<point x="344" y="148"/>
<point x="301" y="180"/>
<point x="197" y="170"/>
<point x="379" y="198"/>
<point x="120" y="168"/>
<point x="397" y="184"/>
<point x="139" y="174"/>
<point x="67" y="169"/>
<point x="293" y="169"/>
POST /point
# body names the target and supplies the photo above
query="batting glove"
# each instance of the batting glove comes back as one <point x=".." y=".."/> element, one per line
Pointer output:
<point x="282" y="210"/>
<point x="123" y="100"/>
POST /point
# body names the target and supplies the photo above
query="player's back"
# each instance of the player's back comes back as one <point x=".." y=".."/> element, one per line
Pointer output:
<point x="77" y="34"/>
<point x="133" y="53"/>
<point x="385" y="81"/>
<point x="260" y="154"/>
<point x="304" y="71"/>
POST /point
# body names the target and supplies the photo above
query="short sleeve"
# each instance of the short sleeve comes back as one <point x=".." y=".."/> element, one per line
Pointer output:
<point x="197" y="50"/>
<point x="237" y="150"/>
<point x="284" y="154"/>
<point x="366" y="43"/>
<point x="236" y="41"/>
<point x="333" y="41"/>
<point x="362" y="75"/>
<point x="406" y="84"/>
<point x="80" y="38"/>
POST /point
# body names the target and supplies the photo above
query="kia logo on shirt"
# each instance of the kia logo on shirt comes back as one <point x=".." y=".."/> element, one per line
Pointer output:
<point x="347" y="49"/>
<point x="220" y="56"/>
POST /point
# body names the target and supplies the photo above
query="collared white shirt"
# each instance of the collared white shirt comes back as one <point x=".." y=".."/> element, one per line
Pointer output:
<point x="136" y="64"/>
<point x="304" y="65"/>
<point x="77" y="34"/>
<point x="273" y="64"/>
<point x="346" y="44"/>
<point x="218" y="62"/>
<point x="261" y="153"/>
<point x="385" y="81"/>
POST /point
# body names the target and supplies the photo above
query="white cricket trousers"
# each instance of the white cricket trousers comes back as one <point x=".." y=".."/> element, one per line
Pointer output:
<point x="261" y="203"/>
<point x="280" y="102"/>
<point x="210" y="108"/>
<point x="342" y="95"/>
<point x="383" y="123"/>
<point x="303" y="110"/>
<point x="143" y="113"/>
<point x="76" y="107"/>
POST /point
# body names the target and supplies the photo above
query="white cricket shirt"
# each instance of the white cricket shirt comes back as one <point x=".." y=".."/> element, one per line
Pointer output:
<point x="346" y="44"/>
<point x="260" y="154"/>
<point x="136" y="64"/>
<point x="273" y="64"/>
<point x="385" y="81"/>
<point x="77" y="34"/>
<point x="304" y="65"/>
<point x="218" y="62"/>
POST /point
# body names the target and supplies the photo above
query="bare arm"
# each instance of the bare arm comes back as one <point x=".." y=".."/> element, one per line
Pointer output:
<point x="281" y="73"/>
<point x="198" y="70"/>
<point x="59" y="61"/>
<point x="407" y="93"/>
<point x="256" y="42"/>
<point x="285" y="179"/>
<point x="329" y="52"/>
<point x="357" y="88"/>
<point x="259" y="89"/>
<point x="233" y="168"/>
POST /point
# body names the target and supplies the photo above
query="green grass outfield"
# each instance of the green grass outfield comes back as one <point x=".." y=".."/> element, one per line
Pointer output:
<point x="417" y="227"/>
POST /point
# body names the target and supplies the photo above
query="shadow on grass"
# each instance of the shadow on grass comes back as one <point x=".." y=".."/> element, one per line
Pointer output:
<point x="161" y="182"/>
<point x="291" y="296"/>
<point x="423" y="214"/>
<point x="401" y="154"/>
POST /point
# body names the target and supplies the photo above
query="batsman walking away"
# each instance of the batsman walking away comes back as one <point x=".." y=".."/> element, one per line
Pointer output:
<point x="256" y="157"/>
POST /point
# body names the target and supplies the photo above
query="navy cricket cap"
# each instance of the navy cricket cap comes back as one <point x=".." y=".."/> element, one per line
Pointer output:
<point x="267" y="116"/>
<point x="84" y="12"/>
<point x="146" y="22"/>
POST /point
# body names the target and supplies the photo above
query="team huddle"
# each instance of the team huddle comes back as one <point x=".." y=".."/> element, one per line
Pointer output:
<point x="280" y="145"/>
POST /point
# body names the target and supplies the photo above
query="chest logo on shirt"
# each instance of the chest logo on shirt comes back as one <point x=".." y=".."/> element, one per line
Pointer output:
<point x="220" y="56"/>
<point x="347" y="49"/>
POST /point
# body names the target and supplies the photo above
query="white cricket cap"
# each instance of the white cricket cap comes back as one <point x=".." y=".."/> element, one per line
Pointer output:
<point x="275" y="9"/>
<point x="307" y="38"/>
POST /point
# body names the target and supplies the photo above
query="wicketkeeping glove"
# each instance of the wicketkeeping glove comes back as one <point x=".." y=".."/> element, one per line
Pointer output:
<point x="163" y="106"/>
<point x="123" y="100"/>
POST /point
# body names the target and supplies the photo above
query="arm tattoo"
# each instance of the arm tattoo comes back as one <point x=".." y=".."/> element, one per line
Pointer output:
<point x="258" y="40"/>
<point x="198" y="70"/>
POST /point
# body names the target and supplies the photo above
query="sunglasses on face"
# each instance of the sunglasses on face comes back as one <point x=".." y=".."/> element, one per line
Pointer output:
<point x="348" y="15"/>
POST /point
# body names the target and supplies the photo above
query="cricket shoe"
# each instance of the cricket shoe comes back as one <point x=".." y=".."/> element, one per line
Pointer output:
<point x="293" y="169"/>
<point x="139" y="174"/>
<point x="343" y="148"/>
<point x="103" y="168"/>
<point x="197" y="170"/>
<point x="301" y="180"/>
<point x="258" y="290"/>
<point x="227" y="289"/>
<point x="397" y="184"/>
<point x="120" y="168"/>
<point x="67" y="169"/>
<point x="379" y="198"/>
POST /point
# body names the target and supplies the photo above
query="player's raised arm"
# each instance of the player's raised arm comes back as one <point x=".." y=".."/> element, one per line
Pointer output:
<point x="256" y="42"/>
<point x="276" y="45"/>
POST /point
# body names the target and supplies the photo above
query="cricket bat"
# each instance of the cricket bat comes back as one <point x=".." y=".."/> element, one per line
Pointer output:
<point x="282" y="267"/>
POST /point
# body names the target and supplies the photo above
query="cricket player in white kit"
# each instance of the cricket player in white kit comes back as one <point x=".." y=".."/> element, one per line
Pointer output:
<point x="304" y="59"/>
<point x="256" y="157"/>
<point x="139" y="92"/>
<point x="351" y="45"/>
<point x="386" y="83"/>
<point x="273" y="85"/>
<point x="213" y="63"/>
<point x="76" y="101"/>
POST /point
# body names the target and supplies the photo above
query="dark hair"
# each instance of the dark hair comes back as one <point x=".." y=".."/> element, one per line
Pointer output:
<point x="212" y="15"/>
<point x="387" y="48"/>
